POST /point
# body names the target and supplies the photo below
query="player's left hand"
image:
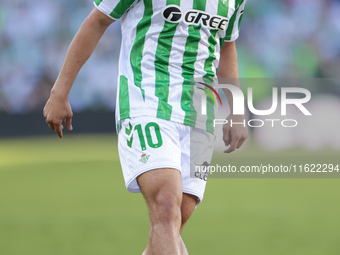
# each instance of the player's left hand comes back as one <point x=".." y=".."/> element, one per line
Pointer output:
<point x="234" y="136"/>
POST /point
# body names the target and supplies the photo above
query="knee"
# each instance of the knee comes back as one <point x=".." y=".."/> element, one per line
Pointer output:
<point x="166" y="209"/>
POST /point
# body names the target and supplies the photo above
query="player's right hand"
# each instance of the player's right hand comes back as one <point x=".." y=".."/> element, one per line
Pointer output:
<point x="56" y="110"/>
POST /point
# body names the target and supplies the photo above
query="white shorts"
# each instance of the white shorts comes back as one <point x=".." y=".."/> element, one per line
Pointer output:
<point x="147" y="143"/>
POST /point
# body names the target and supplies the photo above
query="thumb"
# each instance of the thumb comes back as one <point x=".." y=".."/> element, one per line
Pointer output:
<point x="68" y="123"/>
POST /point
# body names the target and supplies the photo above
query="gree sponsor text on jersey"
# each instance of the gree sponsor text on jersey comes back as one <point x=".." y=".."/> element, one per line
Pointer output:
<point x="173" y="14"/>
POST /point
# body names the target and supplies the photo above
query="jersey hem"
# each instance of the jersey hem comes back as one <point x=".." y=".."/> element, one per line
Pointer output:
<point x="232" y="38"/>
<point x="104" y="10"/>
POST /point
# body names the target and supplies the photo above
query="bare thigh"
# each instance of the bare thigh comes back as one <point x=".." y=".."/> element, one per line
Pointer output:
<point x="162" y="190"/>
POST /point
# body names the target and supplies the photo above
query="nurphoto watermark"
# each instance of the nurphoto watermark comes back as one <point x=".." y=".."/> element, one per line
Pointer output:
<point x="293" y="127"/>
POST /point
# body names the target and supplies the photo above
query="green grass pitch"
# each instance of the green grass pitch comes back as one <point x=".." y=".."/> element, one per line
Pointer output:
<point x="68" y="197"/>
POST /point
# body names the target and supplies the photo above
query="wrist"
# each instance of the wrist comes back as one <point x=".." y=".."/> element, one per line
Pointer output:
<point x="59" y="93"/>
<point x="237" y="117"/>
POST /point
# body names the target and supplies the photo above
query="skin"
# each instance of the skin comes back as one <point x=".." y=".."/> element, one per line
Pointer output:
<point x="234" y="136"/>
<point x="82" y="46"/>
<point x="169" y="208"/>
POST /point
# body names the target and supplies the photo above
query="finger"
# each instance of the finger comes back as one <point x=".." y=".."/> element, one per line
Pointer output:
<point x="44" y="112"/>
<point x="233" y="143"/>
<point x="68" y="123"/>
<point x="50" y="124"/>
<point x="240" y="142"/>
<point x="226" y="136"/>
<point x="58" y="129"/>
<point x="227" y="140"/>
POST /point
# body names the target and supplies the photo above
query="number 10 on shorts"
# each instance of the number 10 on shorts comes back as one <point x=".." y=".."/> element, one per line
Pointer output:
<point x="147" y="131"/>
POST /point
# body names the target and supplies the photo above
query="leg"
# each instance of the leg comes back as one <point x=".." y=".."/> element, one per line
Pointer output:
<point x="162" y="190"/>
<point x="187" y="208"/>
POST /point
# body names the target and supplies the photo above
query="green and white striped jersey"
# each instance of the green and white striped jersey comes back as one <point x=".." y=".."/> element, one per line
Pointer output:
<point x="165" y="45"/>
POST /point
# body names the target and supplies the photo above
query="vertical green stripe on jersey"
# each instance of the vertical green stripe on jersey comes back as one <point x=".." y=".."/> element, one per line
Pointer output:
<point x="98" y="2"/>
<point x="222" y="10"/>
<point x="120" y="8"/>
<point x="208" y="78"/>
<point x="162" y="81"/>
<point x="209" y="61"/>
<point x="231" y="23"/>
<point x="136" y="53"/>
<point x="240" y="19"/>
<point x="124" y="103"/>
<point x="188" y="68"/>
<point x="239" y="22"/>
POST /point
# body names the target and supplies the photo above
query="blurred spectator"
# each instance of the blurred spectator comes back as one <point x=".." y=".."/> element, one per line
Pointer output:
<point x="286" y="38"/>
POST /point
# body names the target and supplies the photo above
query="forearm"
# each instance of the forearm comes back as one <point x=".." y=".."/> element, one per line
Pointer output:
<point x="228" y="69"/>
<point x="81" y="48"/>
<point x="233" y="135"/>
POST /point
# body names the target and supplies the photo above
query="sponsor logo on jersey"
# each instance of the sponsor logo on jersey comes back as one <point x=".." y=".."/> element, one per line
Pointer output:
<point x="173" y="14"/>
<point x="144" y="158"/>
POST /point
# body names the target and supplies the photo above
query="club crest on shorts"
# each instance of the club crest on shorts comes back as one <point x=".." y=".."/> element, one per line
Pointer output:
<point x="144" y="158"/>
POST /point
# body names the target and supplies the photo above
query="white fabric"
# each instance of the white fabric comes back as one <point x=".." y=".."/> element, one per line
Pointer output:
<point x="173" y="153"/>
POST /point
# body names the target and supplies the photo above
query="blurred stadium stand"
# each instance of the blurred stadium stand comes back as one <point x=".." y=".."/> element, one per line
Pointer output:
<point x="286" y="38"/>
<point x="14" y="125"/>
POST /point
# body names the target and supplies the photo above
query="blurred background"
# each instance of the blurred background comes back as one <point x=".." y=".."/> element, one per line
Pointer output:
<point x="67" y="196"/>
<point x="291" y="38"/>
